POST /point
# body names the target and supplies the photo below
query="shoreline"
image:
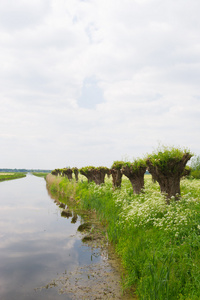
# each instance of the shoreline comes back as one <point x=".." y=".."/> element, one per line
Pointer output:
<point x="104" y="280"/>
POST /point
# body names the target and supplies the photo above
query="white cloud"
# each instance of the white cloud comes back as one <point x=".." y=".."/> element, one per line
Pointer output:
<point x="17" y="15"/>
<point x="144" y="56"/>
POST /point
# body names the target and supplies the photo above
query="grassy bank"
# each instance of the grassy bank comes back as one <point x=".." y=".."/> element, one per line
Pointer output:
<point x="159" y="244"/>
<point x="9" y="176"/>
<point x="40" y="174"/>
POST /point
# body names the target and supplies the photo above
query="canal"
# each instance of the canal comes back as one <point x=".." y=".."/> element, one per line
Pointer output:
<point x="42" y="255"/>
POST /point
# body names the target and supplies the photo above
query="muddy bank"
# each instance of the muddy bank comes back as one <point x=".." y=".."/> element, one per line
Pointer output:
<point x="96" y="281"/>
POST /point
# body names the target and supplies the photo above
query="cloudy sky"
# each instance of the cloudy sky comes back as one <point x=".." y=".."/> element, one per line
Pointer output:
<point x="87" y="82"/>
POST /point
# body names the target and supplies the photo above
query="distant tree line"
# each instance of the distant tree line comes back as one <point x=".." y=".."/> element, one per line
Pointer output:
<point x="24" y="170"/>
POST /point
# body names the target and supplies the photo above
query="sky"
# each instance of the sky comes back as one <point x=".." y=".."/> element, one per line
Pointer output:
<point x="88" y="82"/>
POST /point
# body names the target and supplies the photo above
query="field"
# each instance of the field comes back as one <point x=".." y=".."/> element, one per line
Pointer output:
<point x="40" y="174"/>
<point x="158" y="243"/>
<point x="9" y="176"/>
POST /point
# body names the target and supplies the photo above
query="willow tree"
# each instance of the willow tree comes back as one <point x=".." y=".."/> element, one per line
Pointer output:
<point x="99" y="174"/>
<point x="88" y="172"/>
<point x="167" y="166"/>
<point x="67" y="172"/>
<point x="116" y="173"/>
<point x="56" y="172"/>
<point x="135" y="172"/>
<point x="95" y="174"/>
<point x="186" y="171"/>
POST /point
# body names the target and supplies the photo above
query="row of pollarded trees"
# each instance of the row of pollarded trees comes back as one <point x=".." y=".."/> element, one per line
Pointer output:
<point x="167" y="166"/>
<point x="95" y="174"/>
<point x="134" y="171"/>
<point x="66" y="172"/>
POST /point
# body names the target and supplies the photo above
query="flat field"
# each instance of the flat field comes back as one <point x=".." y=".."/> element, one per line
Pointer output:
<point x="40" y="174"/>
<point x="8" y="176"/>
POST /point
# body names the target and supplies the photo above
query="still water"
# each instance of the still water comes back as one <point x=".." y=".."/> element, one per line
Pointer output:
<point x="36" y="243"/>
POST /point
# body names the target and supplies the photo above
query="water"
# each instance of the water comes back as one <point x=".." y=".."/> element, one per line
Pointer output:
<point x="36" y="243"/>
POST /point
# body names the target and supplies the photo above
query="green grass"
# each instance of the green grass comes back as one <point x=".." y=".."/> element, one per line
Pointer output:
<point x="159" y="244"/>
<point x="8" y="176"/>
<point x="40" y="174"/>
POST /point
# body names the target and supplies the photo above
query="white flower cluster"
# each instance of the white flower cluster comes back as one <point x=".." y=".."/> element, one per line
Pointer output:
<point x="150" y="209"/>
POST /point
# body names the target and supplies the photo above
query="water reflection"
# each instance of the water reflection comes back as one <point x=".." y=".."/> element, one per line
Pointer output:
<point x="67" y="213"/>
<point x="36" y="242"/>
<point x="74" y="218"/>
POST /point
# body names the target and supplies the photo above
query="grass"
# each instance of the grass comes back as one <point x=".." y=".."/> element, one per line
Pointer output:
<point x="40" y="174"/>
<point x="159" y="244"/>
<point x="9" y="176"/>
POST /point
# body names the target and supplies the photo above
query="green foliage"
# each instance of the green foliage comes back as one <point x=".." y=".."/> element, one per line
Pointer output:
<point x="102" y="169"/>
<point x="117" y="164"/>
<point x="187" y="169"/>
<point x="163" y="155"/>
<point x="195" y="174"/>
<point x="136" y="164"/>
<point x="54" y="189"/>
<point x="86" y="170"/>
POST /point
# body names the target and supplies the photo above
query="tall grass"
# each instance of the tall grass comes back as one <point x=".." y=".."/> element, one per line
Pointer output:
<point x="159" y="244"/>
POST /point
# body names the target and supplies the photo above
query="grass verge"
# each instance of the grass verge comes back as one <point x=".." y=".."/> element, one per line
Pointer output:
<point x="40" y="174"/>
<point x="158" y="244"/>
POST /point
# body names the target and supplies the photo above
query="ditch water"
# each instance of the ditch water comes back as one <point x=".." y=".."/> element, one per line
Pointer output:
<point x="42" y="255"/>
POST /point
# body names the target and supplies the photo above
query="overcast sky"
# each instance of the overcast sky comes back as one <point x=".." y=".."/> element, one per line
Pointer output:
<point x="87" y="82"/>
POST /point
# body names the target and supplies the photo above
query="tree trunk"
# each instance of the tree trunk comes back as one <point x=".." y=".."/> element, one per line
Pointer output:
<point x="76" y="174"/>
<point x="153" y="179"/>
<point x="169" y="177"/>
<point x="99" y="176"/>
<point x="68" y="173"/>
<point x="89" y="175"/>
<point x="136" y="177"/>
<point x="116" y="178"/>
